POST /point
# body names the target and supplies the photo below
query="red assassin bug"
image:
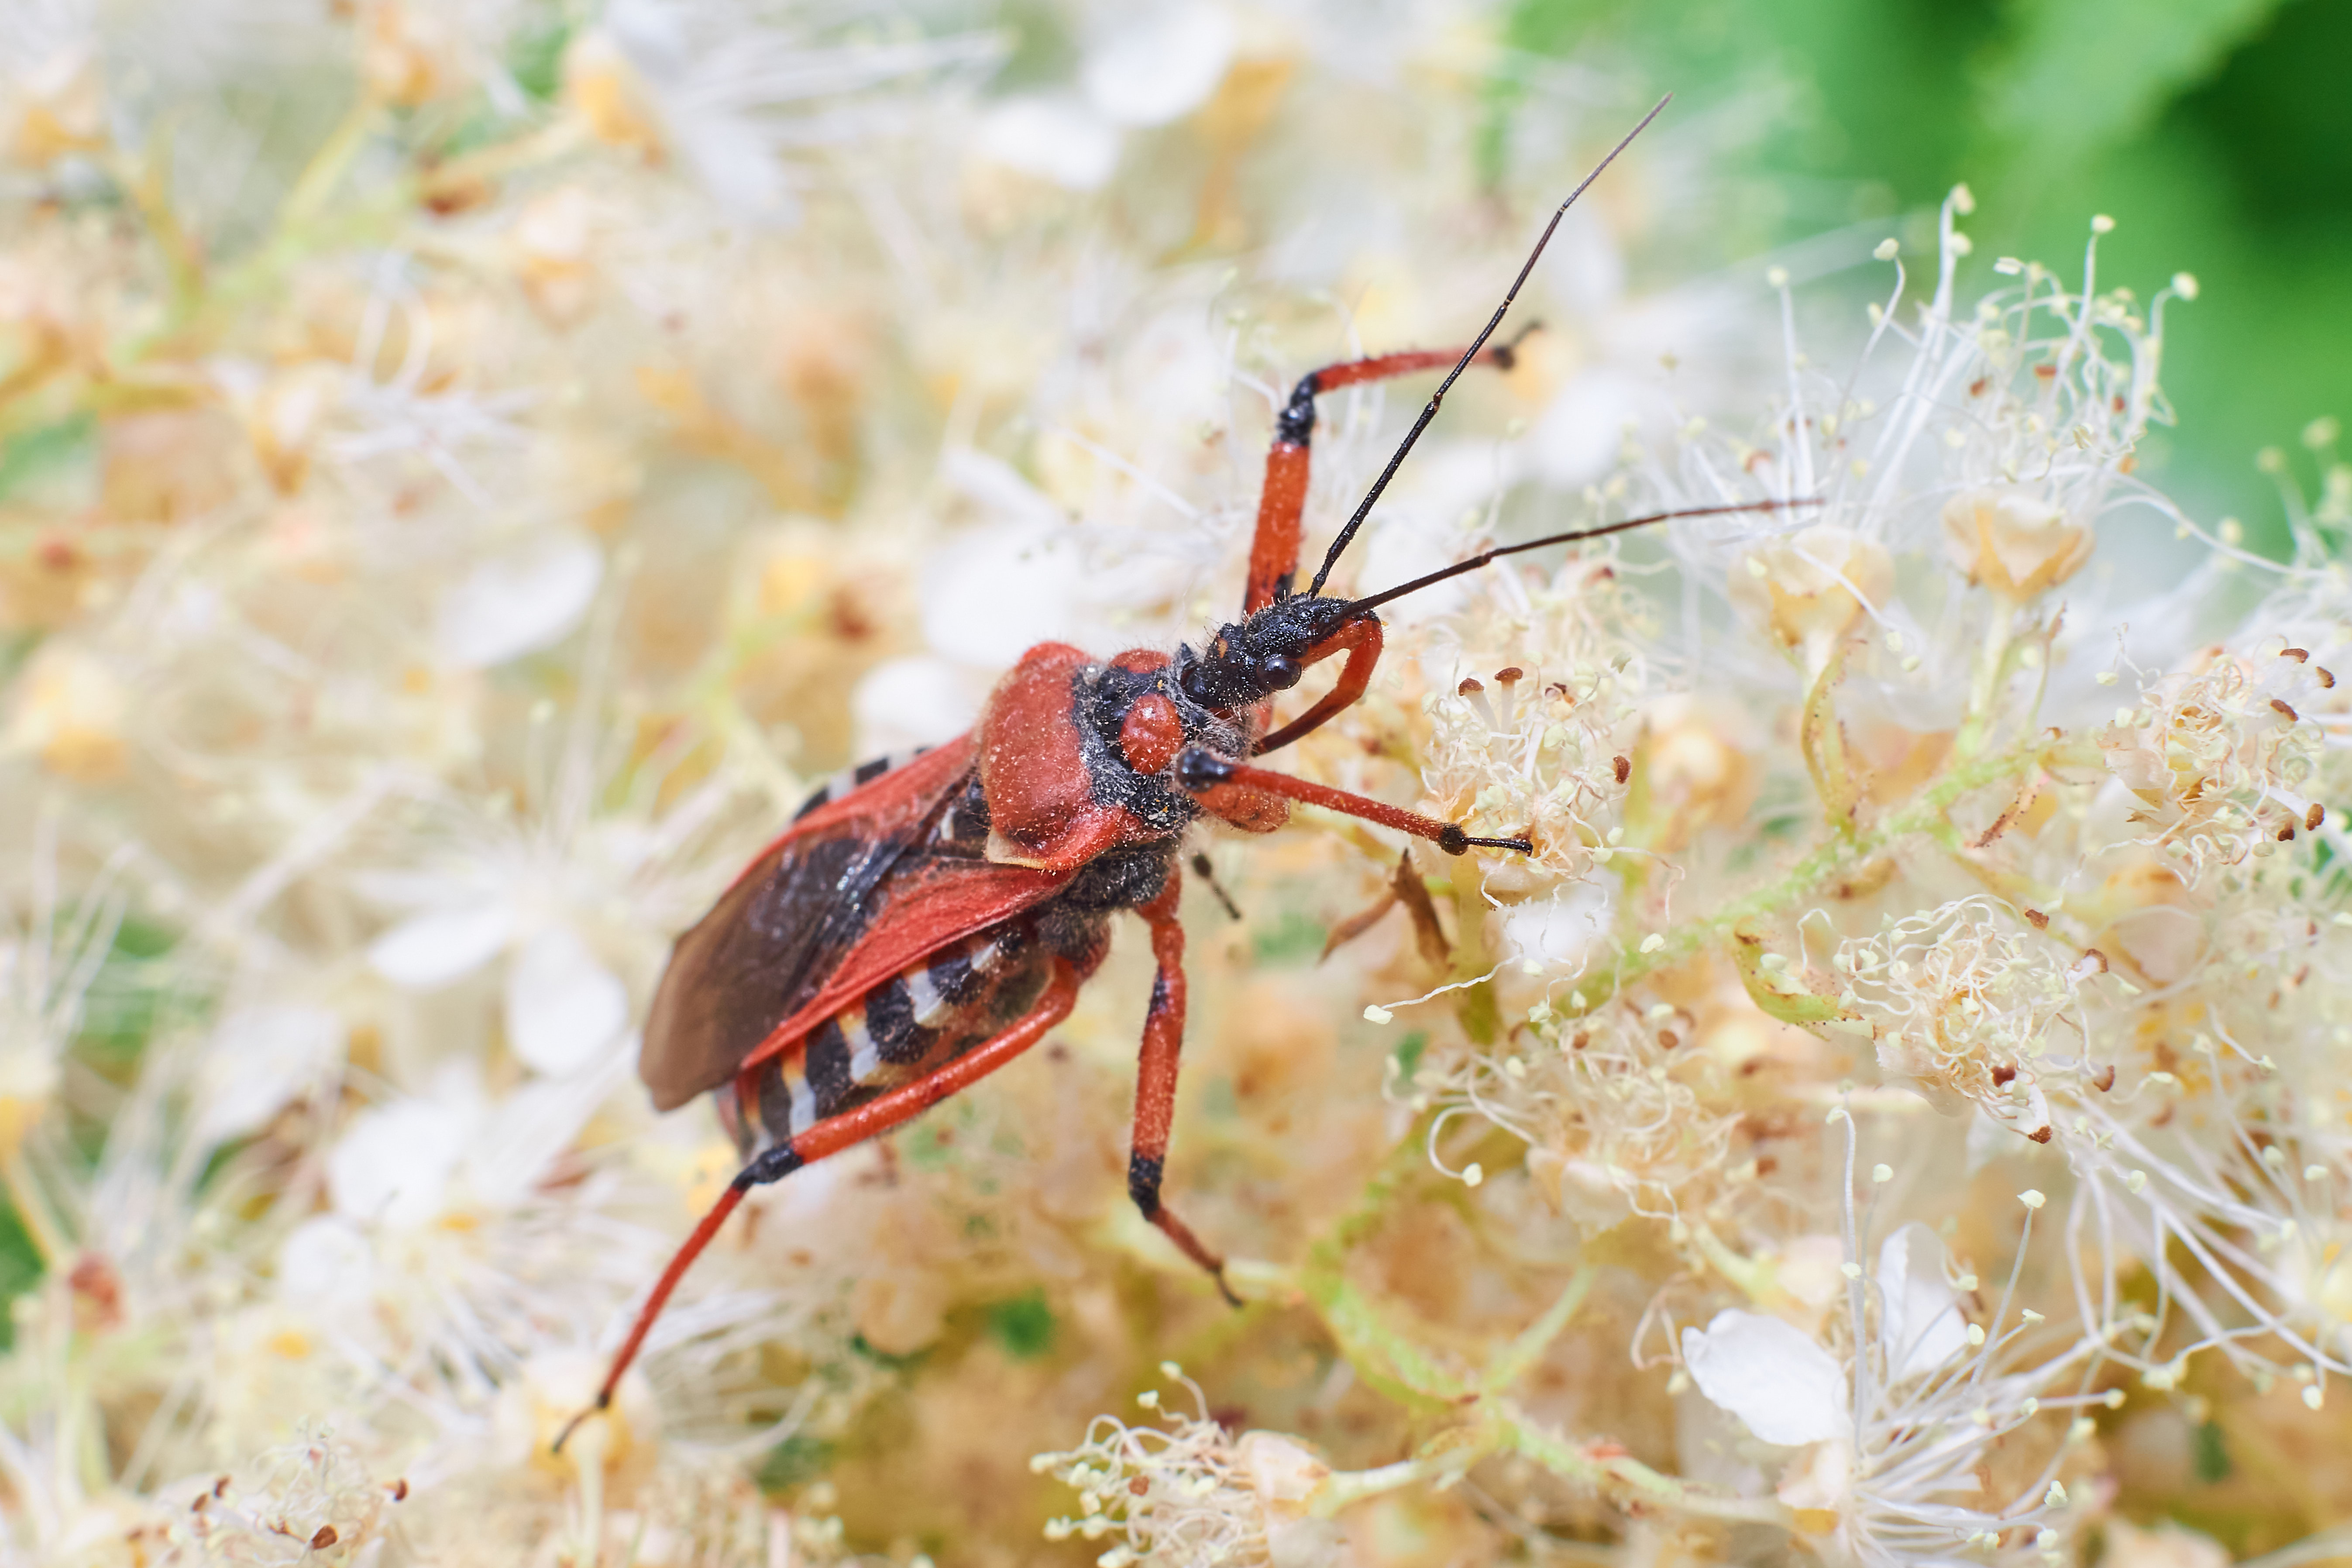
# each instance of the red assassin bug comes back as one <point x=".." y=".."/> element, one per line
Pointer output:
<point x="923" y="921"/>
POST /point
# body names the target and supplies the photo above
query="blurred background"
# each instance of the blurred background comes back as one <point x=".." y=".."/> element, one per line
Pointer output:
<point x="2218" y="134"/>
<point x="384" y="381"/>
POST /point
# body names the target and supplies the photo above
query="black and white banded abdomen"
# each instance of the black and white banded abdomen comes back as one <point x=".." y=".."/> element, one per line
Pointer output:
<point x="850" y="779"/>
<point x="913" y="1023"/>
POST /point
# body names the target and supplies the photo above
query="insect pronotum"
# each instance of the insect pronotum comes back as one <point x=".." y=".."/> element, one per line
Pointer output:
<point x="925" y="919"/>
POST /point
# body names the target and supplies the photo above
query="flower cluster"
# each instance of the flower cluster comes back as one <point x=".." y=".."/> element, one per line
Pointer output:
<point x="1186" y="1492"/>
<point x="2221" y="758"/>
<point x="1966" y="1005"/>
<point x="1607" y="1105"/>
<point x="468" y="472"/>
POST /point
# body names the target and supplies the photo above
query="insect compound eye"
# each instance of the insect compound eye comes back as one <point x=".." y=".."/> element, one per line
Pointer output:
<point x="1279" y="671"/>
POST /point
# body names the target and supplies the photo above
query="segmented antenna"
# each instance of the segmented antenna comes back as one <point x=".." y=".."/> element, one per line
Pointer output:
<point x="1600" y="530"/>
<point x="1340" y="546"/>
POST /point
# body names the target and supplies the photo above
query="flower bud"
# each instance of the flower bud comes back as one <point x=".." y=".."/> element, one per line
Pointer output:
<point x="1806" y="585"/>
<point x="602" y="87"/>
<point x="407" y="57"/>
<point x="2013" y="542"/>
<point x="56" y="108"/>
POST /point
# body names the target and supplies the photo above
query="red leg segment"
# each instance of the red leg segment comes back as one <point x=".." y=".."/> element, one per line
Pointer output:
<point x="877" y="1116"/>
<point x="1155" y="1082"/>
<point x="1360" y="640"/>
<point x="1225" y="789"/>
<point x="1274" y="550"/>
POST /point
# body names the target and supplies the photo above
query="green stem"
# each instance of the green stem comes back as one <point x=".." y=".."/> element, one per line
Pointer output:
<point x="325" y="170"/>
<point x="1839" y="855"/>
<point x="1985" y="685"/>
<point x="1625" y="1479"/>
<point x="1345" y="1488"/>
<point x="49" y="1238"/>
<point x="1474" y="1006"/>
<point x="1525" y="1351"/>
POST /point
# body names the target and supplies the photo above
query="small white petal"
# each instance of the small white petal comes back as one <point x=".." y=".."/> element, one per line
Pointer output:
<point x="1055" y="138"/>
<point x="1921" y="1325"/>
<point x="525" y="1133"/>
<point x="969" y="578"/>
<point x="1559" y="932"/>
<point x="919" y="700"/>
<point x="562" y="1008"/>
<point x="260" y="1060"/>
<point x="1159" y="66"/>
<point x="520" y="601"/>
<point x="393" y="1165"/>
<point x="1787" y="1389"/>
<point x="324" y="1256"/>
<point x="429" y="951"/>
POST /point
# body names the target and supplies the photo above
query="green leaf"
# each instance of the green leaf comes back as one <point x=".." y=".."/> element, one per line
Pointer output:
<point x="794" y="1462"/>
<point x="1293" y="938"/>
<point x="20" y="1268"/>
<point x="1408" y="1052"/>
<point x="535" y="59"/>
<point x="47" y="454"/>
<point x="1024" y="1325"/>
<point x="2085" y="74"/>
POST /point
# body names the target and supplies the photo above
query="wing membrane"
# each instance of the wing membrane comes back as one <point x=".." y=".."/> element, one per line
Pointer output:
<point x="849" y="895"/>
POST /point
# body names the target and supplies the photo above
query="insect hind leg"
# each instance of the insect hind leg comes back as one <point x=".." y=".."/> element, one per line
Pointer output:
<point x="831" y="1136"/>
<point x="772" y="1166"/>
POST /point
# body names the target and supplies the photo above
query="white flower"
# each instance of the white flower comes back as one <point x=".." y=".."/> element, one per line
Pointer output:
<point x="1786" y="1388"/>
<point x="1611" y="1127"/>
<point x="1970" y="1007"/>
<point x="563" y="892"/>
<point x="259" y="1060"/>
<point x="1187" y="1492"/>
<point x="1790" y="1391"/>
<point x="521" y="600"/>
<point x="1920" y="1326"/>
<point x="738" y="90"/>
<point x="1158" y="61"/>
<point x="1886" y="1463"/>
<point x="1054" y="136"/>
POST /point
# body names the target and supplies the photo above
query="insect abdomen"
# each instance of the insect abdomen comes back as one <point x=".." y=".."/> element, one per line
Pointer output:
<point x="909" y="1025"/>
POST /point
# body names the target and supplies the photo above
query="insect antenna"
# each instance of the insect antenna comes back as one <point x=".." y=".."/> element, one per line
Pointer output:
<point x="1340" y="546"/>
<point x="1571" y="537"/>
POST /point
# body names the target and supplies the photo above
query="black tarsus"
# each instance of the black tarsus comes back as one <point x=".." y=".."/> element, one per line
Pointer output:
<point x="1429" y="413"/>
<point x="1453" y="841"/>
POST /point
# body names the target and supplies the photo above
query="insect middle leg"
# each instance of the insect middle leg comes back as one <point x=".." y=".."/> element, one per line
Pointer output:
<point x="831" y="1136"/>
<point x="1155" y="1082"/>
<point x="1282" y="499"/>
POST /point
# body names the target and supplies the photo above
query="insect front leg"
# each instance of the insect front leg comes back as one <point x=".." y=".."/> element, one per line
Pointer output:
<point x="1155" y="1082"/>
<point x="831" y="1136"/>
<point x="1237" y="793"/>
<point x="1282" y="499"/>
<point x="1360" y="640"/>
